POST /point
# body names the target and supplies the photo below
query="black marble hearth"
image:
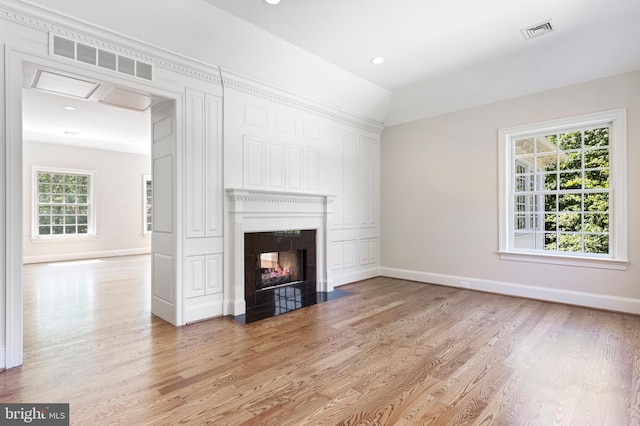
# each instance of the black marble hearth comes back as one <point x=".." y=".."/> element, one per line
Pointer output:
<point x="285" y="301"/>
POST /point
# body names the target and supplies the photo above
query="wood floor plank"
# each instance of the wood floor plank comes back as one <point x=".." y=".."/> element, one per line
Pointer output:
<point x="390" y="352"/>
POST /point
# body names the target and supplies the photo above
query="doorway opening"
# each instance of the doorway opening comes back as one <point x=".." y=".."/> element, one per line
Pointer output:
<point x="71" y="124"/>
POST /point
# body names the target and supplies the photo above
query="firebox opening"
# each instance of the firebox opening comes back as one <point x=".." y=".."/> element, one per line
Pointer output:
<point x="280" y="267"/>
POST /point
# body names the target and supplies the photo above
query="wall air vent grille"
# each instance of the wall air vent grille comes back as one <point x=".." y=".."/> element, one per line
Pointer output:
<point x="143" y="70"/>
<point x="86" y="53"/>
<point x="126" y="65"/>
<point x="537" y="30"/>
<point x="90" y="55"/>
<point x="107" y="60"/>
<point x="63" y="47"/>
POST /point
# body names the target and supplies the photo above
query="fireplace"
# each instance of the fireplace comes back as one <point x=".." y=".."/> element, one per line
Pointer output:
<point x="256" y="215"/>
<point x="280" y="272"/>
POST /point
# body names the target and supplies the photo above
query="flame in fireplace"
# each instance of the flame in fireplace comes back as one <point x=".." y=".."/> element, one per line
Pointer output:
<point x="278" y="268"/>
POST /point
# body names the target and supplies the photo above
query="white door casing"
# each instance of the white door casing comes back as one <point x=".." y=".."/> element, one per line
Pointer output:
<point x="165" y="174"/>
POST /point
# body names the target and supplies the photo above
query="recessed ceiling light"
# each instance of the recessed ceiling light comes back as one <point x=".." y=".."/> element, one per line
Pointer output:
<point x="377" y="60"/>
<point x="272" y="1"/>
<point x="69" y="108"/>
<point x="64" y="85"/>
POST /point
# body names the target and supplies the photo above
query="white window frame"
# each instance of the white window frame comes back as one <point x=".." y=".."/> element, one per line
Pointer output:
<point x="91" y="197"/>
<point x="618" y="256"/>
<point x="147" y="203"/>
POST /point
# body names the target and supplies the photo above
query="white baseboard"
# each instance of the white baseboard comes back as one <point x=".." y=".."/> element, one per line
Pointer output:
<point x="591" y="300"/>
<point x="202" y="312"/>
<point x="3" y="358"/>
<point x="352" y="277"/>
<point x="62" y="257"/>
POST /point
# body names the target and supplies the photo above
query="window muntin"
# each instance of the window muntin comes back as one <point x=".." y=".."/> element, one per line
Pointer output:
<point x="563" y="191"/>
<point x="63" y="203"/>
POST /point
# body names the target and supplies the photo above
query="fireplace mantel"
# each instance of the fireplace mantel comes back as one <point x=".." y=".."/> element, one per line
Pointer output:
<point x="264" y="211"/>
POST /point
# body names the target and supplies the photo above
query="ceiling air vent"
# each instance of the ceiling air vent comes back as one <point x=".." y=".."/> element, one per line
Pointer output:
<point x="537" y="30"/>
<point x="102" y="58"/>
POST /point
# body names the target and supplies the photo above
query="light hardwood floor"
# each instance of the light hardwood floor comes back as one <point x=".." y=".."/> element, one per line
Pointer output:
<point x="391" y="352"/>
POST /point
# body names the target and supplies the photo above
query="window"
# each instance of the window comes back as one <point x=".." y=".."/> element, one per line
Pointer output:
<point x="147" y="214"/>
<point x="63" y="203"/>
<point x="563" y="191"/>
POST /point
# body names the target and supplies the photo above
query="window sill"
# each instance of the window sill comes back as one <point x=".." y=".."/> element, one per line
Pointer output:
<point x="64" y="238"/>
<point x="554" y="259"/>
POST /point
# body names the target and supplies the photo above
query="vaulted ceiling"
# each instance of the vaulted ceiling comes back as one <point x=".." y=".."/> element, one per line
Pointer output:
<point x="444" y="55"/>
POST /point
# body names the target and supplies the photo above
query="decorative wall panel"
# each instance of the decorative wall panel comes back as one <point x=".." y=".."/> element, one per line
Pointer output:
<point x="163" y="202"/>
<point x="311" y="130"/>
<point x="368" y="183"/>
<point x="213" y="270"/>
<point x="195" y="155"/>
<point x="214" y="193"/>
<point x="286" y="124"/>
<point x="368" y="251"/>
<point x="293" y="167"/>
<point x="163" y="278"/>
<point x="311" y="169"/>
<point x="195" y="275"/>
<point x="344" y="254"/>
<point x="254" y="163"/>
<point x="256" y="115"/>
<point x="275" y="166"/>
<point x="162" y="129"/>
<point x="345" y="179"/>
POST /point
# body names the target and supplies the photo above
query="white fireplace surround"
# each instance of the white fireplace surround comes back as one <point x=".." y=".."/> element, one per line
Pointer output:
<point x="264" y="211"/>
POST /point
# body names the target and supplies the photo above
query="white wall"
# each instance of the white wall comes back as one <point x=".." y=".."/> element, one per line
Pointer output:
<point x="119" y="202"/>
<point x="439" y="198"/>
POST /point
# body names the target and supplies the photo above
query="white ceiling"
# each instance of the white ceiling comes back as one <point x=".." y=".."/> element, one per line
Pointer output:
<point x="84" y="119"/>
<point x="443" y="55"/>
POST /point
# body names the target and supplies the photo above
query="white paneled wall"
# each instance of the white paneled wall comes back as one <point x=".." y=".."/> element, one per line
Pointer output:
<point x="276" y="154"/>
<point x="275" y="145"/>
<point x="369" y="181"/>
<point x="204" y="205"/>
<point x="355" y="180"/>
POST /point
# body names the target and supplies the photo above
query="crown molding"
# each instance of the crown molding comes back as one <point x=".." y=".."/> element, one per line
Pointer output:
<point x="91" y="35"/>
<point x="238" y="195"/>
<point x="254" y="87"/>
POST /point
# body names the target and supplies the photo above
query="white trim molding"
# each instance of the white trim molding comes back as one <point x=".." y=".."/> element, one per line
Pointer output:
<point x="546" y="294"/>
<point x="64" y="257"/>
<point x="352" y="277"/>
